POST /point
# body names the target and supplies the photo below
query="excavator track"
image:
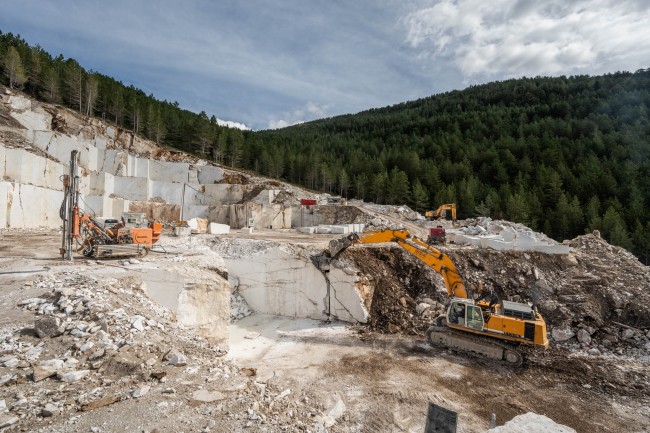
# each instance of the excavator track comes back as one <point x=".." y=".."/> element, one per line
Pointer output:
<point x="474" y="345"/>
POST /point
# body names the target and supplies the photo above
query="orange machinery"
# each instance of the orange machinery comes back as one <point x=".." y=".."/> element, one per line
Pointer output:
<point x="82" y="233"/>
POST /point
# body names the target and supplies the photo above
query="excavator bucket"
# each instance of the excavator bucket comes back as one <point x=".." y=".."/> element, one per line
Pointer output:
<point x="338" y="245"/>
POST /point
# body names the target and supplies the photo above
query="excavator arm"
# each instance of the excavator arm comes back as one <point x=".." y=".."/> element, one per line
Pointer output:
<point x="436" y="260"/>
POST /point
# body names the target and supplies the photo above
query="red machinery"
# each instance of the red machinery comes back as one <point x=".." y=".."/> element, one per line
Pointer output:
<point x="437" y="236"/>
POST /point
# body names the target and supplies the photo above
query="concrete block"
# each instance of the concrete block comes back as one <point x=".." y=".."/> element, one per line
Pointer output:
<point x="61" y="146"/>
<point x="274" y="281"/>
<point x="498" y="245"/>
<point x="523" y="245"/>
<point x="131" y="188"/>
<point x="350" y="297"/>
<point x="168" y="171"/>
<point x="267" y="196"/>
<point x="41" y="139"/>
<point x="508" y="234"/>
<point x="308" y="230"/>
<point x="4" y="203"/>
<point x="552" y="249"/>
<point x="168" y="191"/>
<point x="303" y="216"/>
<point x="116" y="207"/>
<point x="3" y="162"/>
<point x="323" y="229"/>
<point x="27" y="168"/>
<point x="182" y="231"/>
<point x="195" y="211"/>
<point x="32" y="120"/>
<point x="163" y="212"/>
<point x="273" y="216"/>
<point x="223" y="193"/>
<point x="339" y="230"/>
<point x="247" y="230"/>
<point x="92" y="158"/>
<point x="218" y="229"/>
<point x="110" y="161"/>
<point x="20" y="103"/>
<point x="28" y="206"/>
<point x="95" y="204"/>
<point x="462" y="239"/>
<point x="483" y="239"/>
<point x="101" y="183"/>
<point x="141" y="167"/>
<point x="210" y="174"/>
<point x="200" y="304"/>
<point x="100" y="142"/>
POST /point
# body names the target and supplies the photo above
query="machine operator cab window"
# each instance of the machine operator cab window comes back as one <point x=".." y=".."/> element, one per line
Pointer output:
<point x="466" y="315"/>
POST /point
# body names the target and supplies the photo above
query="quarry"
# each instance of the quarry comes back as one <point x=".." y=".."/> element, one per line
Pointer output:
<point x="238" y="319"/>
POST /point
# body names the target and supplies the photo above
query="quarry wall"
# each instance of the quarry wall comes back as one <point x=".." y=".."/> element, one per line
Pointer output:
<point x="112" y="180"/>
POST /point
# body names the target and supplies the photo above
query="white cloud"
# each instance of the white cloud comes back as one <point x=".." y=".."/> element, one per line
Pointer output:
<point x="310" y="111"/>
<point x="506" y="38"/>
<point x="231" y="124"/>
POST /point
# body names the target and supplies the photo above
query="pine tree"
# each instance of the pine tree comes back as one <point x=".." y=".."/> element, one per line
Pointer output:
<point x="398" y="187"/>
<point x="14" y="69"/>
<point x="419" y="197"/>
<point x="92" y="87"/>
<point x="74" y="80"/>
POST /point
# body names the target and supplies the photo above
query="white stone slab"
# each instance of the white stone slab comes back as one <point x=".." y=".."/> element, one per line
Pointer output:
<point x="131" y="188"/>
<point x="28" y="206"/>
<point x="483" y="239"/>
<point x="498" y="245"/>
<point x="553" y="249"/>
<point x="218" y="229"/>
<point x="168" y="171"/>
<point x="20" y="103"/>
<point x="32" y="120"/>
<point x="223" y="193"/>
<point x="210" y="174"/>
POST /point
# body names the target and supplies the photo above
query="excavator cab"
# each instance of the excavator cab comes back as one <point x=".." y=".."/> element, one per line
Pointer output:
<point x="463" y="312"/>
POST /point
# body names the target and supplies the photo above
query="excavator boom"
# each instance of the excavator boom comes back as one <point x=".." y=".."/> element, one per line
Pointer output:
<point x="433" y="258"/>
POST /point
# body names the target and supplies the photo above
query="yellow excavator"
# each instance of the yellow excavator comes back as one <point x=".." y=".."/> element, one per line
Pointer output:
<point x="477" y="323"/>
<point x="441" y="212"/>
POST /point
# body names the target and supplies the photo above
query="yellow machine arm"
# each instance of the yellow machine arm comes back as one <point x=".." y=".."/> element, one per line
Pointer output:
<point x="433" y="258"/>
<point x="438" y="212"/>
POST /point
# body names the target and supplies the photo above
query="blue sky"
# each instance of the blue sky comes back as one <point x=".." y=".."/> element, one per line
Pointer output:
<point x="273" y="63"/>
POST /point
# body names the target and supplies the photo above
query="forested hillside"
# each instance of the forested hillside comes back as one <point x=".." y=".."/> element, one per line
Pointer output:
<point x="562" y="155"/>
<point x="64" y="81"/>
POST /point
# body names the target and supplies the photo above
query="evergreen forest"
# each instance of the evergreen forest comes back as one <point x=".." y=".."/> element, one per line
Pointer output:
<point x="563" y="155"/>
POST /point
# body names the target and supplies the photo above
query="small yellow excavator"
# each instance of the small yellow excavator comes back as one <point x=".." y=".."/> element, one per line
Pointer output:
<point x="477" y="323"/>
<point x="441" y="212"/>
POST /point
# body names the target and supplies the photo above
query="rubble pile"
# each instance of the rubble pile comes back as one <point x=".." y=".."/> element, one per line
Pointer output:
<point x="595" y="300"/>
<point x="406" y="297"/>
<point x="99" y="343"/>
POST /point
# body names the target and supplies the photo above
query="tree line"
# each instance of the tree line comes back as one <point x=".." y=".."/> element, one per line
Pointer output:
<point x="563" y="155"/>
<point x="64" y="81"/>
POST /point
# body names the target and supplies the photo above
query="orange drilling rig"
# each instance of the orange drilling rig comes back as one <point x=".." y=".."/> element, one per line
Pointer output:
<point x="85" y="234"/>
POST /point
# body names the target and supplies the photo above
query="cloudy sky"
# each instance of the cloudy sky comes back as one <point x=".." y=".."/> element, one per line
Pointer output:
<point x="272" y="63"/>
